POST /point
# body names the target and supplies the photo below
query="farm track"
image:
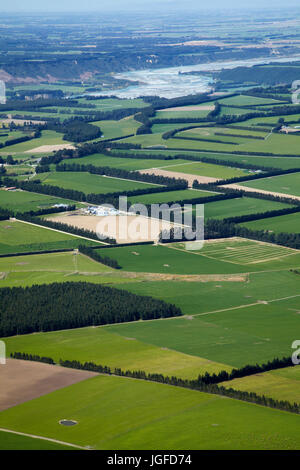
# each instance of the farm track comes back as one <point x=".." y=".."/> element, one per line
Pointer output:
<point x="43" y="438"/>
<point x="60" y="231"/>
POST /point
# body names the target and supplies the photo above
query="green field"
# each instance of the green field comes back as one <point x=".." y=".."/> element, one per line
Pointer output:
<point x="253" y="333"/>
<point x="112" y="129"/>
<point x="240" y="206"/>
<point x="54" y="267"/>
<point x="47" y="138"/>
<point x="11" y="135"/>
<point x="102" y="347"/>
<point x="10" y="441"/>
<point x="274" y="143"/>
<point x="270" y="162"/>
<point x="120" y="413"/>
<point x="244" y="100"/>
<point x="204" y="169"/>
<point x="233" y="256"/>
<point x="89" y="183"/>
<point x="289" y="223"/>
<point x="109" y="104"/>
<point x="178" y="114"/>
<point x="169" y="196"/>
<point x="123" y="163"/>
<point x="24" y="201"/>
<point x="245" y="252"/>
<point x="19" y="237"/>
<point x="281" y="384"/>
<point x="286" y="184"/>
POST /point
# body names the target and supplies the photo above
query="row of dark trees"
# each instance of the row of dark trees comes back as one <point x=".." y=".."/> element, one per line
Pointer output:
<point x="112" y="263"/>
<point x="245" y="193"/>
<point x="67" y="305"/>
<point x="256" y="176"/>
<point x="221" y="229"/>
<point x="108" y="198"/>
<point x="125" y="174"/>
<point x="198" y="384"/>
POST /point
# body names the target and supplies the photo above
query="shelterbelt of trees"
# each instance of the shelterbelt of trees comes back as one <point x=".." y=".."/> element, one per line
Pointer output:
<point x="69" y="305"/>
<point x="85" y="250"/>
<point x="215" y="228"/>
<point x="198" y="384"/>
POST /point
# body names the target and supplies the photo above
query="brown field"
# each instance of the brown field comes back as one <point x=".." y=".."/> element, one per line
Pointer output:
<point x="50" y="148"/>
<point x="255" y="190"/>
<point x="175" y="174"/>
<point x="190" y="108"/>
<point x="24" y="380"/>
<point x="124" y="228"/>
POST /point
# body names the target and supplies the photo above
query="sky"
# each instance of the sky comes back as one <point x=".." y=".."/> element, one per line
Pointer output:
<point x="139" y="5"/>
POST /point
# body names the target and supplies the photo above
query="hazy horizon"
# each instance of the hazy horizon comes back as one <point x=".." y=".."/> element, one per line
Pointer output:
<point x="73" y="6"/>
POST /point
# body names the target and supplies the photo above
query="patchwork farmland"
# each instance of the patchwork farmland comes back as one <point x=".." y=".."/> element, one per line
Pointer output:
<point x="143" y="342"/>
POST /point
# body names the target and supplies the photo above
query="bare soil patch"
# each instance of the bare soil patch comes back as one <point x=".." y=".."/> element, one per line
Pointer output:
<point x="24" y="380"/>
<point x="174" y="174"/>
<point x="124" y="228"/>
<point x="50" y="148"/>
<point x="255" y="190"/>
<point x="190" y="108"/>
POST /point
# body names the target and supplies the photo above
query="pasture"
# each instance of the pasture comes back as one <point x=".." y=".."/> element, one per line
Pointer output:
<point x="244" y="100"/>
<point x="169" y="196"/>
<point x="102" y="347"/>
<point x="90" y="183"/>
<point x="24" y="201"/>
<point x="231" y="256"/>
<point x="18" y="237"/>
<point x="240" y="206"/>
<point x="281" y="384"/>
<point x="272" y="162"/>
<point x="289" y="223"/>
<point x="47" y="138"/>
<point x="130" y="164"/>
<point x="285" y="184"/>
<point x="112" y="129"/>
<point x="55" y="267"/>
<point x="204" y="169"/>
<point x="121" y="413"/>
<point x="245" y="252"/>
<point x="12" y="441"/>
<point x="247" y="334"/>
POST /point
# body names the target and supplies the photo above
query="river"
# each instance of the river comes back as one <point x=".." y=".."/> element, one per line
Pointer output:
<point x="168" y="83"/>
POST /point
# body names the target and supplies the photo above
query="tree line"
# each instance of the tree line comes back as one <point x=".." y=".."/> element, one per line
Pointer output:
<point x="112" y="263"/>
<point x="125" y="174"/>
<point x="197" y="384"/>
